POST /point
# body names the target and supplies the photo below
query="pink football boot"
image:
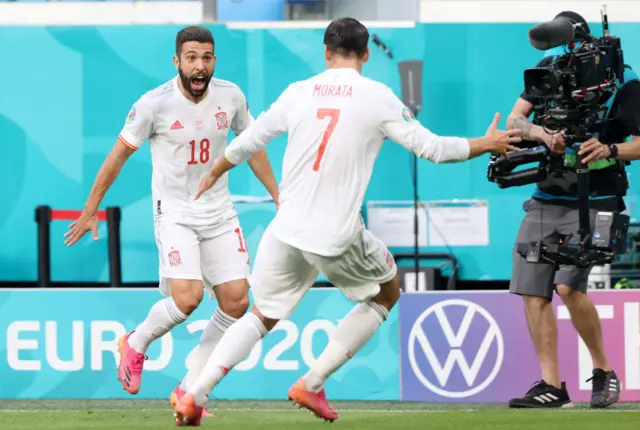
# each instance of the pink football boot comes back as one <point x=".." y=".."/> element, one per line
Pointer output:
<point x="187" y="413"/>
<point x="315" y="402"/>
<point x="131" y="364"/>
<point x="178" y="394"/>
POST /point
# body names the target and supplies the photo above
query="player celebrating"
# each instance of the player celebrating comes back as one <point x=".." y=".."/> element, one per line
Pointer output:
<point x="337" y="122"/>
<point x="200" y="243"/>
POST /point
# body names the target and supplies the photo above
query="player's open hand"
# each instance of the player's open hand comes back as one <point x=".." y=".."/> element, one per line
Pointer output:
<point x="594" y="151"/>
<point x="500" y="141"/>
<point x="81" y="226"/>
<point x="207" y="182"/>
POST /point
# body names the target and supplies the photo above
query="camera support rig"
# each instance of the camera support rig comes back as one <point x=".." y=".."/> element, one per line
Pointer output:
<point x="574" y="90"/>
<point x="599" y="247"/>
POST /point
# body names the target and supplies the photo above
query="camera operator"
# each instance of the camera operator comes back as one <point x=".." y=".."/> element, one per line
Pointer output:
<point x="552" y="214"/>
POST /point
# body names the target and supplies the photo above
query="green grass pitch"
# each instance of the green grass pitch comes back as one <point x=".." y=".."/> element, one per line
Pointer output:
<point x="244" y="415"/>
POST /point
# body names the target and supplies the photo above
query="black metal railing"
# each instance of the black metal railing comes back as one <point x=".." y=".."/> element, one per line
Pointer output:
<point x="43" y="217"/>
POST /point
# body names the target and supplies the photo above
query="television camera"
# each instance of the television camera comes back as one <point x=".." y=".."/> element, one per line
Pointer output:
<point x="582" y="76"/>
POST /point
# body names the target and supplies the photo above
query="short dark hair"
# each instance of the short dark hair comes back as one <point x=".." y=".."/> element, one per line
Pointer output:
<point x="193" y="34"/>
<point x="346" y="36"/>
<point x="575" y="18"/>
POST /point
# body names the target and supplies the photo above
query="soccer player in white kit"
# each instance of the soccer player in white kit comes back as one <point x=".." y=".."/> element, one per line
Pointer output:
<point x="336" y="122"/>
<point x="200" y="243"/>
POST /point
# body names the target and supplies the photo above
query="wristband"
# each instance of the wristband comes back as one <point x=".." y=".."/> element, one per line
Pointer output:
<point x="614" y="151"/>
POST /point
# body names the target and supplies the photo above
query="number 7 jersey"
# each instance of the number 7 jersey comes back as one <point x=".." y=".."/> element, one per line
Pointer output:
<point x="336" y="123"/>
<point x="185" y="138"/>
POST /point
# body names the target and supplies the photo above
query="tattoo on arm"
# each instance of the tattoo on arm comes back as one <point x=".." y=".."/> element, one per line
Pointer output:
<point x="523" y="124"/>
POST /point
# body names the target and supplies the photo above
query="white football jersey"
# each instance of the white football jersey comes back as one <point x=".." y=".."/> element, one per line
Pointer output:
<point x="337" y="122"/>
<point x="185" y="139"/>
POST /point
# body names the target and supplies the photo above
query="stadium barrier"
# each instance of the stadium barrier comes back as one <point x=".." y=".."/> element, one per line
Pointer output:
<point x="474" y="347"/>
<point x="62" y="343"/>
<point x="44" y="215"/>
<point x="431" y="277"/>
<point x="434" y="347"/>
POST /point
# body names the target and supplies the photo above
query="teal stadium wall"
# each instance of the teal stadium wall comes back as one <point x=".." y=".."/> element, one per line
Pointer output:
<point x="67" y="91"/>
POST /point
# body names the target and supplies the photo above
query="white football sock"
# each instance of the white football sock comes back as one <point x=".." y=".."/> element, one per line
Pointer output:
<point x="210" y="337"/>
<point x="353" y="332"/>
<point x="234" y="346"/>
<point x="162" y="317"/>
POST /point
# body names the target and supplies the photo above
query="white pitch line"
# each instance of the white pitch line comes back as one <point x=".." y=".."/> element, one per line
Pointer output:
<point x="379" y="411"/>
<point x="375" y="411"/>
<point x="604" y="410"/>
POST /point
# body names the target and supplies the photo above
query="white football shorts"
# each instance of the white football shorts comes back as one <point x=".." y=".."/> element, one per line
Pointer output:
<point x="212" y="254"/>
<point x="282" y="274"/>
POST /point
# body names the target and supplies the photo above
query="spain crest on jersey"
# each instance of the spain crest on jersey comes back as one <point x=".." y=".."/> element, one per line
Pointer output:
<point x="389" y="259"/>
<point x="174" y="258"/>
<point x="221" y="120"/>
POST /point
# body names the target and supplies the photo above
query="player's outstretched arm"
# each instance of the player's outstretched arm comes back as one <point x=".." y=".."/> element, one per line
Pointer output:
<point x="495" y="141"/>
<point x="241" y="149"/>
<point x="261" y="167"/>
<point x="443" y="149"/>
<point x="137" y="128"/>
<point x="259" y="162"/>
<point x="398" y="124"/>
<point x="107" y="174"/>
<point x="269" y="125"/>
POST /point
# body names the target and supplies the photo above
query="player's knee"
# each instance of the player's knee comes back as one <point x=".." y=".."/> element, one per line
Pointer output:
<point x="389" y="293"/>
<point x="233" y="298"/>
<point x="187" y="294"/>
<point x="188" y="303"/>
<point x="268" y="323"/>
<point x="235" y="307"/>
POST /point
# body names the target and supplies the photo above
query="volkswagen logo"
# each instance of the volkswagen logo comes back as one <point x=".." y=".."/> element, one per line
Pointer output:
<point x="469" y="353"/>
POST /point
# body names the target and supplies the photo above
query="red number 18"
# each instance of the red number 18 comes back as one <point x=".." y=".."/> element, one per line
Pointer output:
<point x="204" y="151"/>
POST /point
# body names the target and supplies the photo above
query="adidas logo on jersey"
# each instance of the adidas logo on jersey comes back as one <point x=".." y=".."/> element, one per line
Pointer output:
<point x="176" y="126"/>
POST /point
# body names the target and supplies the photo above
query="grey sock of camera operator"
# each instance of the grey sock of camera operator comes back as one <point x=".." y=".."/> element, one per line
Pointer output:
<point x="547" y="223"/>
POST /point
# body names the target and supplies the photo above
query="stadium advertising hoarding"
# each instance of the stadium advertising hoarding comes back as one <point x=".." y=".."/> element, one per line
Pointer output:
<point x="435" y="347"/>
<point x="63" y="344"/>
<point x="475" y="347"/>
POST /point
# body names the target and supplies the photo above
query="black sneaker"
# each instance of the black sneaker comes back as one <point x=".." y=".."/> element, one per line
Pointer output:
<point x="605" y="389"/>
<point x="543" y="395"/>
